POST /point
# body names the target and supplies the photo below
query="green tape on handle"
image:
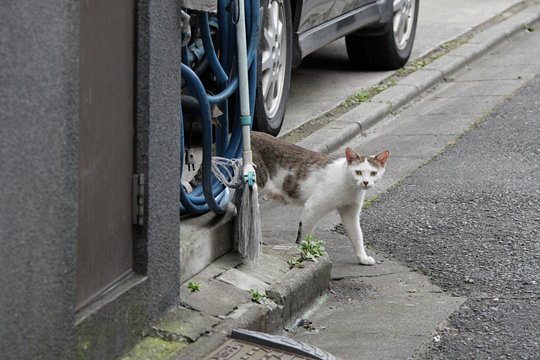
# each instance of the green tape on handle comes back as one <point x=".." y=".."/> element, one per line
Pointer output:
<point x="245" y="120"/>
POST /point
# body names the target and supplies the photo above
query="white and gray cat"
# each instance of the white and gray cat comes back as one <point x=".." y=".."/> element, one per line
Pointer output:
<point x="294" y="175"/>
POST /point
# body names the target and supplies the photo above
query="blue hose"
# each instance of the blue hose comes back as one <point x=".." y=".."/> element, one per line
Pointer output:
<point x="211" y="195"/>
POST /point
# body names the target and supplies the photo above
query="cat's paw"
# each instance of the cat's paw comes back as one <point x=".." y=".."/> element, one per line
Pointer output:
<point x="367" y="260"/>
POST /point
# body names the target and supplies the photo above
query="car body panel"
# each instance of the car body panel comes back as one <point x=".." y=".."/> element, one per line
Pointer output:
<point x="341" y="7"/>
<point x="340" y="18"/>
<point x="314" y="13"/>
<point x="318" y="23"/>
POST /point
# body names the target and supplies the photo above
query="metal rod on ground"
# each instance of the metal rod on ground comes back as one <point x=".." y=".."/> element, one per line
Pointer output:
<point x="248" y="222"/>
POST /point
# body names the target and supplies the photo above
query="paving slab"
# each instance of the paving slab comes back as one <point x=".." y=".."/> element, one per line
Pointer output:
<point x="269" y="270"/>
<point x="475" y="104"/>
<point x="181" y="323"/>
<point x="216" y="298"/>
<point x="242" y="280"/>
<point x="410" y="145"/>
<point x="480" y="92"/>
<point x="429" y="124"/>
<point x="503" y="73"/>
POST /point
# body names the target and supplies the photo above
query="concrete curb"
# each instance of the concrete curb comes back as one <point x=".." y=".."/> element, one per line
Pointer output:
<point x="364" y="116"/>
<point x="288" y="297"/>
<point x="201" y="326"/>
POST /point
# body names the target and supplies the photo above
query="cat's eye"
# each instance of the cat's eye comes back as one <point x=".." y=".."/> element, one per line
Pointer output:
<point x="358" y="172"/>
<point x="373" y="173"/>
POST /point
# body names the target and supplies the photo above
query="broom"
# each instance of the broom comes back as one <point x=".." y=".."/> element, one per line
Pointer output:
<point x="248" y="222"/>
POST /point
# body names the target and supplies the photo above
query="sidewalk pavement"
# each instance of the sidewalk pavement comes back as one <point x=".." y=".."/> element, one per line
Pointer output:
<point x="206" y="317"/>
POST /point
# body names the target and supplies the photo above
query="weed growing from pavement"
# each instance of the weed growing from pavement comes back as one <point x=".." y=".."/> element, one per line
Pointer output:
<point x="258" y="296"/>
<point x="193" y="286"/>
<point x="295" y="262"/>
<point x="310" y="249"/>
<point x="366" y="94"/>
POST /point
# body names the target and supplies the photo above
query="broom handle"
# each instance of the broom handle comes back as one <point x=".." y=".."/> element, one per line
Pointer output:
<point x="245" y="114"/>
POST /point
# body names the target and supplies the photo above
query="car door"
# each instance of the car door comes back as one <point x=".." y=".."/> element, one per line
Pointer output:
<point x="340" y="7"/>
<point x="314" y="13"/>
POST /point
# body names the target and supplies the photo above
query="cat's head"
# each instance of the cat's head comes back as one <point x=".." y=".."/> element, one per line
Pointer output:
<point x="365" y="171"/>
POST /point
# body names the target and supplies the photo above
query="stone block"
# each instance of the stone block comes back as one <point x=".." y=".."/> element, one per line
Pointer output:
<point x="242" y="280"/>
<point x="469" y="51"/>
<point x="216" y="298"/>
<point x="204" y="239"/>
<point x="301" y="287"/>
<point x="367" y="114"/>
<point x="447" y="64"/>
<point x="397" y="95"/>
<point x="423" y="79"/>
<point x="182" y="323"/>
<point x="269" y="269"/>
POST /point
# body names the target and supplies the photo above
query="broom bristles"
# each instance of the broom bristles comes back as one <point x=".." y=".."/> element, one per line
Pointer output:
<point x="255" y="245"/>
<point x="248" y="223"/>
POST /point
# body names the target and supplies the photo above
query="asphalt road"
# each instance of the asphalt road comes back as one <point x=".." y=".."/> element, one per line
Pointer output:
<point x="470" y="220"/>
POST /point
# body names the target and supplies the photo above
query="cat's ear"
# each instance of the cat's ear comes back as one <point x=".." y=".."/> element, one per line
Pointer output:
<point x="382" y="156"/>
<point x="351" y="156"/>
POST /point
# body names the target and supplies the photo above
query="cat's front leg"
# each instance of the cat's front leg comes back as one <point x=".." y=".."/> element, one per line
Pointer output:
<point x="299" y="233"/>
<point x="313" y="212"/>
<point x="350" y="217"/>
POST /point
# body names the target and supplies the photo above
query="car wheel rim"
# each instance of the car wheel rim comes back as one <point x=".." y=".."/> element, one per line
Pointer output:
<point x="273" y="57"/>
<point x="403" y="21"/>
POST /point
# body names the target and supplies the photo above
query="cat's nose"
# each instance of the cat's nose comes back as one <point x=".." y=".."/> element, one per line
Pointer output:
<point x="366" y="183"/>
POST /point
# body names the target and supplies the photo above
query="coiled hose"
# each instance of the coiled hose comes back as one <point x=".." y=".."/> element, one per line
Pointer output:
<point x="211" y="194"/>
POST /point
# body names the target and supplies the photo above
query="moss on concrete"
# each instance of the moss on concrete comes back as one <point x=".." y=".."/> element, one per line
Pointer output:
<point x="151" y="348"/>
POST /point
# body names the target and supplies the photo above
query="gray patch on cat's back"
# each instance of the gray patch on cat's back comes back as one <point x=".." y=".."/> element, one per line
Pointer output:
<point x="291" y="186"/>
<point x="277" y="154"/>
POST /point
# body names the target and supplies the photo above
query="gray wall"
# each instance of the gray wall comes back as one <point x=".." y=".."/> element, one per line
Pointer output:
<point x="38" y="170"/>
<point x="39" y="112"/>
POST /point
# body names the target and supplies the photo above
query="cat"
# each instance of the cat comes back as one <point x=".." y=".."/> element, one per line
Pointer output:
<point x="294" y="175"/>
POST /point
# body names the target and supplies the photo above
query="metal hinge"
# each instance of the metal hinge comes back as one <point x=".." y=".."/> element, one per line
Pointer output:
<point x="138" y="200"/>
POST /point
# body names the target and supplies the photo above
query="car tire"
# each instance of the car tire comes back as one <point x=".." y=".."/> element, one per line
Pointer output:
<point x="273" y="66"/>
<point x="391" y="48"/>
